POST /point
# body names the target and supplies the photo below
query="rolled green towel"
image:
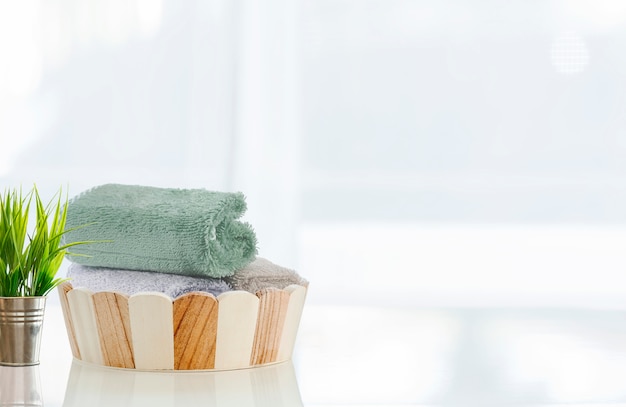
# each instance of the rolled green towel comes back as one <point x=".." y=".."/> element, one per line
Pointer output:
<point x="191" y="232"/>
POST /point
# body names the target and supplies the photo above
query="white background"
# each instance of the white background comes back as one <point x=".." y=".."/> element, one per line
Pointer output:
<point x="413" y="152"/>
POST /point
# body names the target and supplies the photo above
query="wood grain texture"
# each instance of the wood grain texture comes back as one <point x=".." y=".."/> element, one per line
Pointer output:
<point x="113" y="320"/>
<point x="63" y="289"/>
<point x="297" y="295"/>
<point x="84" y="321"/>
<point x="272" y="311"/>
<point x="195" y="331"/>
<point x="152" y="328"/>
<point x="236" y="325"/>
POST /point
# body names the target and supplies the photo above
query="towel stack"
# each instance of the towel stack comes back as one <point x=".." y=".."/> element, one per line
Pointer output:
<point x="167" y="240"/>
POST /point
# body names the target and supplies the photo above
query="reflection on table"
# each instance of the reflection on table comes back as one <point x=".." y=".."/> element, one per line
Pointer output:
<point x="382" y="356"/>
<point x="92" y="386"/>
<point x="20" y="386"/>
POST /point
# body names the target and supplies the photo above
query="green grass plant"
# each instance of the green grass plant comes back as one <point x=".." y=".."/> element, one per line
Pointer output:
<point x="29" y="261"/>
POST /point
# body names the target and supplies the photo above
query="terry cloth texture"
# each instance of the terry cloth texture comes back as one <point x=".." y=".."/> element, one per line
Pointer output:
<point x="191" y="232"/>
<point x="262" y="273"/>
<point x="130" y="282"/>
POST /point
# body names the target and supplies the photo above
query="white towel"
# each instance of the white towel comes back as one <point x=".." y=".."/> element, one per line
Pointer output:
<point x="130" y="282"/>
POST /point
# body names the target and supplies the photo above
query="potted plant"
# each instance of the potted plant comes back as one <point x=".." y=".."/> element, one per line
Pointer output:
<point x="29" y="260"/>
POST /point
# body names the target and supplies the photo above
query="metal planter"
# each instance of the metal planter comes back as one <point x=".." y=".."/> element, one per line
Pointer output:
<point x="21" y="323"/>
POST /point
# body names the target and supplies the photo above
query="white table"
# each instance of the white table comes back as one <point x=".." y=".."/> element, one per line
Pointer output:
<point x="358" y="356"/>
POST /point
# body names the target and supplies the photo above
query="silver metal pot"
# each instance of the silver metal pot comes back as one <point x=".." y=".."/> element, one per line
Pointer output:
<point x="21" y="323"/>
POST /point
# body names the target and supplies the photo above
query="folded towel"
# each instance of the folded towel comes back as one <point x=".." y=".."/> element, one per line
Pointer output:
<point x="130" y="282"/>
<point x="179" y="231"/>
<point x="262" y="273"/>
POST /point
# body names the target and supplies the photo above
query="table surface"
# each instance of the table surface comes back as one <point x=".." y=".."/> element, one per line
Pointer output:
<point x="370" y="356"/>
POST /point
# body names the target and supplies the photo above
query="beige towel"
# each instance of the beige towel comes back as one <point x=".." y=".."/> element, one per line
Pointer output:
<point x="262" y="273"/>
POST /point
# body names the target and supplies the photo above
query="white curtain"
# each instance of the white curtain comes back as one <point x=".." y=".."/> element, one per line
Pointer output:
<point x="266" y="159"/>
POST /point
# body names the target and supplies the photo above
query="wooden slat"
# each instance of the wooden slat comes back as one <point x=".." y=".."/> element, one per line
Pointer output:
<point x="297" y="295"/>
<point x="113" y="323"/>
<point x="288" y="385"/>
<point x="234" y="388"/>
<point x="152" y="328"/>
<point x="72" y="397"/>
<point x="63" y="289"/>
<point x="236" y="325"/>
<point x="84" y="321"/>
<point x="272" y="311"/>
<point x="154" y="390"/>
<point x="84" y="388"/>
<point x="195" y="331"/>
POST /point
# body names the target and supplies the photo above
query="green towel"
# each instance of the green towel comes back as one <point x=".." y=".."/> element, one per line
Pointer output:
<point x="191" y="232"/>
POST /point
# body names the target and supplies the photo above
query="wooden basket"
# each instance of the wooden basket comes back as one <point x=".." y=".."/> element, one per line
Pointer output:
<point x="196" y="331"/>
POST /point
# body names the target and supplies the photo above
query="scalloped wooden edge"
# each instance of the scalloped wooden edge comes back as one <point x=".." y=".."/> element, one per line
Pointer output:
<point x="196" y="331"/>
